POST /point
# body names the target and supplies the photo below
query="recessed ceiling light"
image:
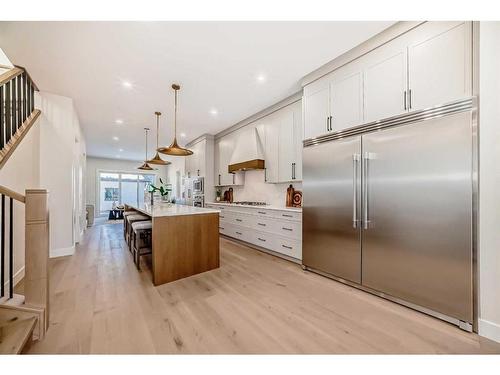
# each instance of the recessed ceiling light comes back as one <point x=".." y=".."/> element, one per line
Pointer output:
<point x="116" y="138"/>
<point x="119" y="121"/>
<point x="183" y="135"/>
<point x="213" y="112"/>
<point x="261" y="78"/>
<point x="121" y="150"/>
<point x="127" y="84"/>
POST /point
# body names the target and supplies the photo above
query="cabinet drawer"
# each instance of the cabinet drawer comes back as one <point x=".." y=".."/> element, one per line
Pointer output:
<point x="237" y="218"/>
<point x="224" y="228"/>
<point x="265" y="240"/>
<point x="239" y="233"/>
<point x="288" y="215"/>
<point x="262" y="223"/>
<point x="289" y="229"/>
<point x="288" y="247"/>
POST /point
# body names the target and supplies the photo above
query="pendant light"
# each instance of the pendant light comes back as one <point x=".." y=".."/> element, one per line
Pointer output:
<point x="157" y="159"/>
<point x="174" y="149"/>
<point x="146" y="166"/>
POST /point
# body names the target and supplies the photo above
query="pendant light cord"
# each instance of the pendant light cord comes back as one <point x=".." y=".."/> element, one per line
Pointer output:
<point x="146" y="158"/>
<point x="175" y="116"/>
<point x="157" y="129"/>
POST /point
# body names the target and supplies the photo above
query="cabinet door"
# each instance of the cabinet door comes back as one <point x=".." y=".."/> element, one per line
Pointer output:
<point x="385" y="82"/>
<point x="286" y="157"/>
<point x="200" y="158"/>
<point x="440" y="65"/>
<point x="272" y="126"/>
<point x="225" y="149"/>
<point x="189" y="165"/>
<point x="298" y="131"/>
<point x="217" y="163"/>
<point x="316" y="111"/>
<point x="346" y="101"/>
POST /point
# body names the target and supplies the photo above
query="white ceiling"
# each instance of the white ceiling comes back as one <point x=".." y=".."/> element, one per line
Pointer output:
<point x="216" y="64"/>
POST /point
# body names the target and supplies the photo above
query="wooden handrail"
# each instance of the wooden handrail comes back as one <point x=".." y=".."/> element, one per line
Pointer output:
<point x="10" y="74"/>
<point x="12" y="194"/>
<point x="27" y="74"/>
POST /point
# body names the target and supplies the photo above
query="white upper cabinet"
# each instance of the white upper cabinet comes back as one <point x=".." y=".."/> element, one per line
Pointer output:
<point x="426" y="66"/>
<point x="223" y="150"/>
<point x="385" y="82"/>
<point x="334" y="102"/>
<point x="346" y="99"/>
<point x="283" y="150"/>
<point x="298" y="136"/>
<point x="286" y="156"/>
<point x="272" y="129"/>
<point x="440" y="64"/>
<point x="195" y="164"/>
<point x="316" y="109"/>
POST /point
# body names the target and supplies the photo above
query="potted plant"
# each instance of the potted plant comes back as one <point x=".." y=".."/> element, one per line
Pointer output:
<point x="163" y="189"/>
<point x="218" y="193"/>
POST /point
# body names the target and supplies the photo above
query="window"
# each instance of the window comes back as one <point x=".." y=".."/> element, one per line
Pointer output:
<point x="122" y="188"/>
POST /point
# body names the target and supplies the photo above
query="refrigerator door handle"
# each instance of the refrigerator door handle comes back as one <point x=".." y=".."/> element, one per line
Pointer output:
<point x="366" y="220"/>
<point x="355" y="160"/>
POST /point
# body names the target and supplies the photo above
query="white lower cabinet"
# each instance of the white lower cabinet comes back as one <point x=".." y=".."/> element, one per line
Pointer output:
<point x="277" y="230"/>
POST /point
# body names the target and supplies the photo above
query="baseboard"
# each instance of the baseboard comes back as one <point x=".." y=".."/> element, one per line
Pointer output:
<point x="489" y="330"/>
<point x="18" y="276"/>
<point x="62" y="252"/>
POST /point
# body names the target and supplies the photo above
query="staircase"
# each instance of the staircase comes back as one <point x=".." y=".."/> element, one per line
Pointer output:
<point x="23" y="317"/>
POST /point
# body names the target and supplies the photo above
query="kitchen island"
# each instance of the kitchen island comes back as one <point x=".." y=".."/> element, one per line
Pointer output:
<point x="185" y="240"/>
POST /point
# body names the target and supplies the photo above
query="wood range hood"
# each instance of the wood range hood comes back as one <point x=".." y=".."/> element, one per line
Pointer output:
<point x="248" y="153"/>
<point x="246" y="166"/>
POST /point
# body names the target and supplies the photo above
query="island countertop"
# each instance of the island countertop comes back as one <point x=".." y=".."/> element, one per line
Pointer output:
<point x="168" y="209"/>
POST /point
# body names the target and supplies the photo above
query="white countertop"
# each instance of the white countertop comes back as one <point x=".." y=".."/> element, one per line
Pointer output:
<point x="267" y="207"/>
<point x="169" y="209"/>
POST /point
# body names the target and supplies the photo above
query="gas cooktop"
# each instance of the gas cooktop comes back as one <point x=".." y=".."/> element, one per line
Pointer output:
<point x="251" y="203"/>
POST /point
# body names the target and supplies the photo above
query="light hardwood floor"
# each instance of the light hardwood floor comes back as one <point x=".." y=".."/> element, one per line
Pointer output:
<point x="254" y="303"/>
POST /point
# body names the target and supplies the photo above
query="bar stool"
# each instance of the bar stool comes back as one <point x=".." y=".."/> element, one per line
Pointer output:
<point x="128" y="223"/>
<point x="125" y="214"/>
<point x="141" y="240"/>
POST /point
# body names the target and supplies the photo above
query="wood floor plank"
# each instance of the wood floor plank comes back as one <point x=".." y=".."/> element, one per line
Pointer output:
<point x="254" y="303"/>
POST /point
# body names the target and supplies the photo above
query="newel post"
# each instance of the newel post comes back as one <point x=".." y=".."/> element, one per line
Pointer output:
<point x="36" y="279"/>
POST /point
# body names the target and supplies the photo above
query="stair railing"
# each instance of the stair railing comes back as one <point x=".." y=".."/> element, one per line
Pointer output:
<point x="36" y="250"/>
<point x="17" y="109"/>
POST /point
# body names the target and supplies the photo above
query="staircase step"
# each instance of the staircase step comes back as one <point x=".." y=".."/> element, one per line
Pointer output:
<point x="16" y="300"/>
<point x="16" y="330"/>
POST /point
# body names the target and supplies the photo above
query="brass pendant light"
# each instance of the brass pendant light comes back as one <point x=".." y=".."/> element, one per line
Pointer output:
<point x="157" y="159"/>
<point x="174" y="149"/>
<point x="146" y="166"/>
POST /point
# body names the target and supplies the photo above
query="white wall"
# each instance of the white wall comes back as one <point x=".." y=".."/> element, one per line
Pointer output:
<point x="255" y="189"/>
<point x="489" y="181"/>
<point x="95" y="164"/>
<point x="62" y="148"/>
<point x="19" y="173"/>
<point x="4" y="60"/>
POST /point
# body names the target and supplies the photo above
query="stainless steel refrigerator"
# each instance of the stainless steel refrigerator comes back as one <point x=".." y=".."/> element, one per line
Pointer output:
<point x="388" y="207"/>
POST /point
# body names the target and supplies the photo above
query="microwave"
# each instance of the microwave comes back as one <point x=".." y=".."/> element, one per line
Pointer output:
<point x="198" y="187"/>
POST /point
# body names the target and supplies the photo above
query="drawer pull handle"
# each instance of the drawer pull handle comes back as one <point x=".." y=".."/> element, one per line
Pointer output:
<point x="239" y="220"/>
<point x="262" y="212"/>
<point x="261" y="224"/>
<point x="221" y="228"/>
<point x="238" y="233"/>
<point x="261" y="239"/>
<point x="285" y="215"/>
<point x="287" y="247"/>
<point x="290" y="229"/>
<point x="222" y="217"/>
